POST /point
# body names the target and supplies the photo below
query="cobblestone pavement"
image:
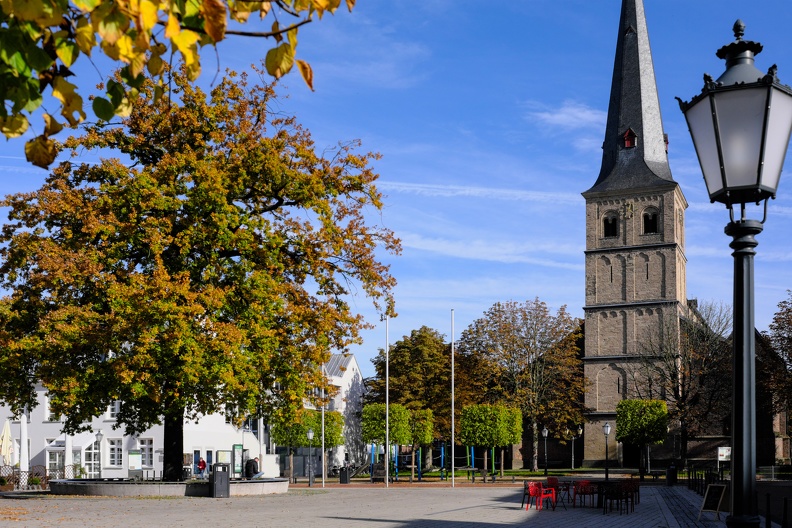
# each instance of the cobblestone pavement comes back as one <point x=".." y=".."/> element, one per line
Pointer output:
<point x="357" y="506"/>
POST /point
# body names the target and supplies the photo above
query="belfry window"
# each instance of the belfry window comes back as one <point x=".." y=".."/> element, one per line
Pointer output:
<point x="610" y="225"/>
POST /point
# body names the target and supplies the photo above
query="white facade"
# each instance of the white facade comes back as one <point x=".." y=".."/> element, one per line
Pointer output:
<point x="107" y="455"/>
<point x="344" y="373"/>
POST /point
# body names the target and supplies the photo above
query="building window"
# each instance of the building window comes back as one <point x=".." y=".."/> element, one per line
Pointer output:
<point x="610" y="225"/>
<point x="650" y="223"/>
<point x="147" y="451"/>
<point x="49" y="415"/>
<point x="54" y="461"/>
<point x="113" y="409"/>
<point x="115" y="453"/>
<point x="92" y="460"/>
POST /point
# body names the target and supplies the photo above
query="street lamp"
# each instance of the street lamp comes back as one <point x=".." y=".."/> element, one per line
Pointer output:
<point x="740" y="125"/>
<point x="544" y="434"/>
<point x="606" y="430"/>
<point x="579" y="434"/>
<point x="310" y="455"/>
<point x="99" y="436"/>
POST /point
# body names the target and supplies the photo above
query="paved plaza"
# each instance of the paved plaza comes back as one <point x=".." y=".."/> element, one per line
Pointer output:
<point x="402" y="506"/>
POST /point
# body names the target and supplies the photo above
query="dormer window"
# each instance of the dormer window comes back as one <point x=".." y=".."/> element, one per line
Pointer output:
<point x="630" y="139"/>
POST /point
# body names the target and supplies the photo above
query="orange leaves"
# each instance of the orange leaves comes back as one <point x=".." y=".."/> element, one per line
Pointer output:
<point x="45" y="39"/>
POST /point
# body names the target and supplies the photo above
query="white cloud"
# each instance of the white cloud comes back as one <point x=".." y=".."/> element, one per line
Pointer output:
<point x="447" y="191"/>
<point x="570" y="116"/>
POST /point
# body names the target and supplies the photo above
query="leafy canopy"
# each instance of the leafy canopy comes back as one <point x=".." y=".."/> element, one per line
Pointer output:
<point x="42" y="40"/>
<point x="641" y="422"/>
<point x="372" y="424"/>
<point x="490" y="425"/>
<point x="211" y="273"/>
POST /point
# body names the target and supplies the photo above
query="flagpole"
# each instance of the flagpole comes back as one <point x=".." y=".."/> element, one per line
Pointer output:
<point x="453" y="482"/>
<point x="387" y="402"/>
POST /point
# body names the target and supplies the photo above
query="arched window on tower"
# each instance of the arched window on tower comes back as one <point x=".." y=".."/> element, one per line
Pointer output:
<point x="610" y="225"/>
<point x="651" y="223"/>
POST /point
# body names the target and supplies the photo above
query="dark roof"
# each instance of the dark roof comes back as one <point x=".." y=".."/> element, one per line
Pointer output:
<point x="634" y="105"/>
<point x="337" y="365"/>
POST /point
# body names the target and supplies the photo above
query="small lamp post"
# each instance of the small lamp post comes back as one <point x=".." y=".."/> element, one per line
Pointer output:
<point x="579" y="434"/>
<point x="740" y="125"/>
<point x="99" y="437"/>
<point x="310" y="459"/>
<point x="544" y="434"/>
<point x="606" y="429"/>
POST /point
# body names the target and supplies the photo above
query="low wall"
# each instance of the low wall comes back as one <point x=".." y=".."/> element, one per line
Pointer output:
<point x="129" y="488"/>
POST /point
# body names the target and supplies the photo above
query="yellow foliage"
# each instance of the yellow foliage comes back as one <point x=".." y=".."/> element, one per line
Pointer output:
<point x="126" y="31"/>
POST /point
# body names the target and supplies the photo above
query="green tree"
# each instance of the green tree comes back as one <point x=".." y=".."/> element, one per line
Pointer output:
<point x="211" y="272"/>
<point x="530" y="358"/>
<point x="779" y="337"/>
<point x="421" y="429"/>
<point x="490" y="426"/>
<point x="295" y="434"/>
<point x="641" y="423"/>
<point x="42" y="41"/>
<point x="372" y="424"/>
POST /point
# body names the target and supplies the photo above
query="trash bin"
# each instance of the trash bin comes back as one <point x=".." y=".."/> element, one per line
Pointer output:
<point x="671" y="476"/>
<point x="221" y="481"/>
<point x="186" y="473"/>
<point x="344" y="478"/>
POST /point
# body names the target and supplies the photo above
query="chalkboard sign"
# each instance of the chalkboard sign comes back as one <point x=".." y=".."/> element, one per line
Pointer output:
<point x="713" y="499"/>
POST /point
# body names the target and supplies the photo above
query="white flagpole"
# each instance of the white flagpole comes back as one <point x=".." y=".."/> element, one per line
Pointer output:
<point x="453" y="482"/>
<point x="387" y="402"/>
<point x="324" y="452"/>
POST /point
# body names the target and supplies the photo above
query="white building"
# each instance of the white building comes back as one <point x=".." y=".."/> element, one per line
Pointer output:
<point x="103" y="450"/>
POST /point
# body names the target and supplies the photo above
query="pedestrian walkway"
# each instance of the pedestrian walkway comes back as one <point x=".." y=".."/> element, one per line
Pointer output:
<point x="354" y="506"/>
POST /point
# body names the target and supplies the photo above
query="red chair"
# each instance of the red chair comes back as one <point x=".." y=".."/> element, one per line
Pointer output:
<point x="552" y="483"/>
<point x="538" y="494"/>
<point x="583" y="489"/>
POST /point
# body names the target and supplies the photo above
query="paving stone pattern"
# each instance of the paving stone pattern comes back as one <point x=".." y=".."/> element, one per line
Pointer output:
<point x="353" y="506"/>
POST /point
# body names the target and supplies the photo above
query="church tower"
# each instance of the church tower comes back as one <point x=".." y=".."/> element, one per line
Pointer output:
<point x="635" y="238"/>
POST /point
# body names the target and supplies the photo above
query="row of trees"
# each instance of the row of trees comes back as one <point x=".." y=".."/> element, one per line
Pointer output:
<point x="516" y="355"/>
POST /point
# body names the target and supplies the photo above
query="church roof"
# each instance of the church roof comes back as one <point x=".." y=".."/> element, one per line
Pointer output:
<point x="634" y="151"/>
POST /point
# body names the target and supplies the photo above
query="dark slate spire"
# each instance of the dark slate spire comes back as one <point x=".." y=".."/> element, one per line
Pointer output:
<point x="634" y="151"/>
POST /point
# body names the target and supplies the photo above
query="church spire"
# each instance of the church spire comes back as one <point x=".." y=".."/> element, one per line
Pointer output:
<point x="634" y="151"/>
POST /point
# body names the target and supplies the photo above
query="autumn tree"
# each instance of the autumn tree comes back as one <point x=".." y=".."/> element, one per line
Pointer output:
<point x="641" y="423"/>
<point x="419" y="376"/>
<point x="530" y="358"/>
<point x="208" y="268"/>
<point x="686" y="361"/>
<point x="42" y="42"/>
<point x="779" y="337"/>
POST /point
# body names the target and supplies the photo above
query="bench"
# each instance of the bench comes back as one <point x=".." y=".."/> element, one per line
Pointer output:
<point x="378" y="474"/>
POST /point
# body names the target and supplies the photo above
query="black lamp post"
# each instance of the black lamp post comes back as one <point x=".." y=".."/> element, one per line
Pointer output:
<point x="579" y="434"/>
<point x="606" y="429"/>
<point x="310" y="457"/>
<point x="740" y="124"/>
<point x="544" y="434"/>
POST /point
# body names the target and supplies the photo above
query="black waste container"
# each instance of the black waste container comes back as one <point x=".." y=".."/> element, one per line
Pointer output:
<point x="671" y="476"/>
<point x="344" y="479"/>
<point x="221" y="481"/>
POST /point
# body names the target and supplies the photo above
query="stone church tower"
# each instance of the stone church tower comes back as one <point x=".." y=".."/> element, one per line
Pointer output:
<point x="635" y="238"/>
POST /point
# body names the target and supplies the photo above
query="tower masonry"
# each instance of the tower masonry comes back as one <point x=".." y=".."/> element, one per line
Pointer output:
<point x="635" y="239"/>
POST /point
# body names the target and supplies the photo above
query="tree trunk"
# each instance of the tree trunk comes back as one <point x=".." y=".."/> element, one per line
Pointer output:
<point x="535" y="448"/>
<point x="173" y="448"/>
<point x="643" y="461"/>
<point x="486" y="452"/>
<point x="501" y="468"/>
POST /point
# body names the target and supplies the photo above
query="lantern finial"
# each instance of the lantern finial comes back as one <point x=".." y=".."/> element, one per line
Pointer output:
<point x="739" y="29"/>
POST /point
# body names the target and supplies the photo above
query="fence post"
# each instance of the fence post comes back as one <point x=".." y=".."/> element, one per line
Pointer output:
<point x="768" y="521"/>
<point x="784" y="516"/>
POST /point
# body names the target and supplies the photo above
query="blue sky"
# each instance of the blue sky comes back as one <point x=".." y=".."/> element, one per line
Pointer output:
<point x="490" y="119"/>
